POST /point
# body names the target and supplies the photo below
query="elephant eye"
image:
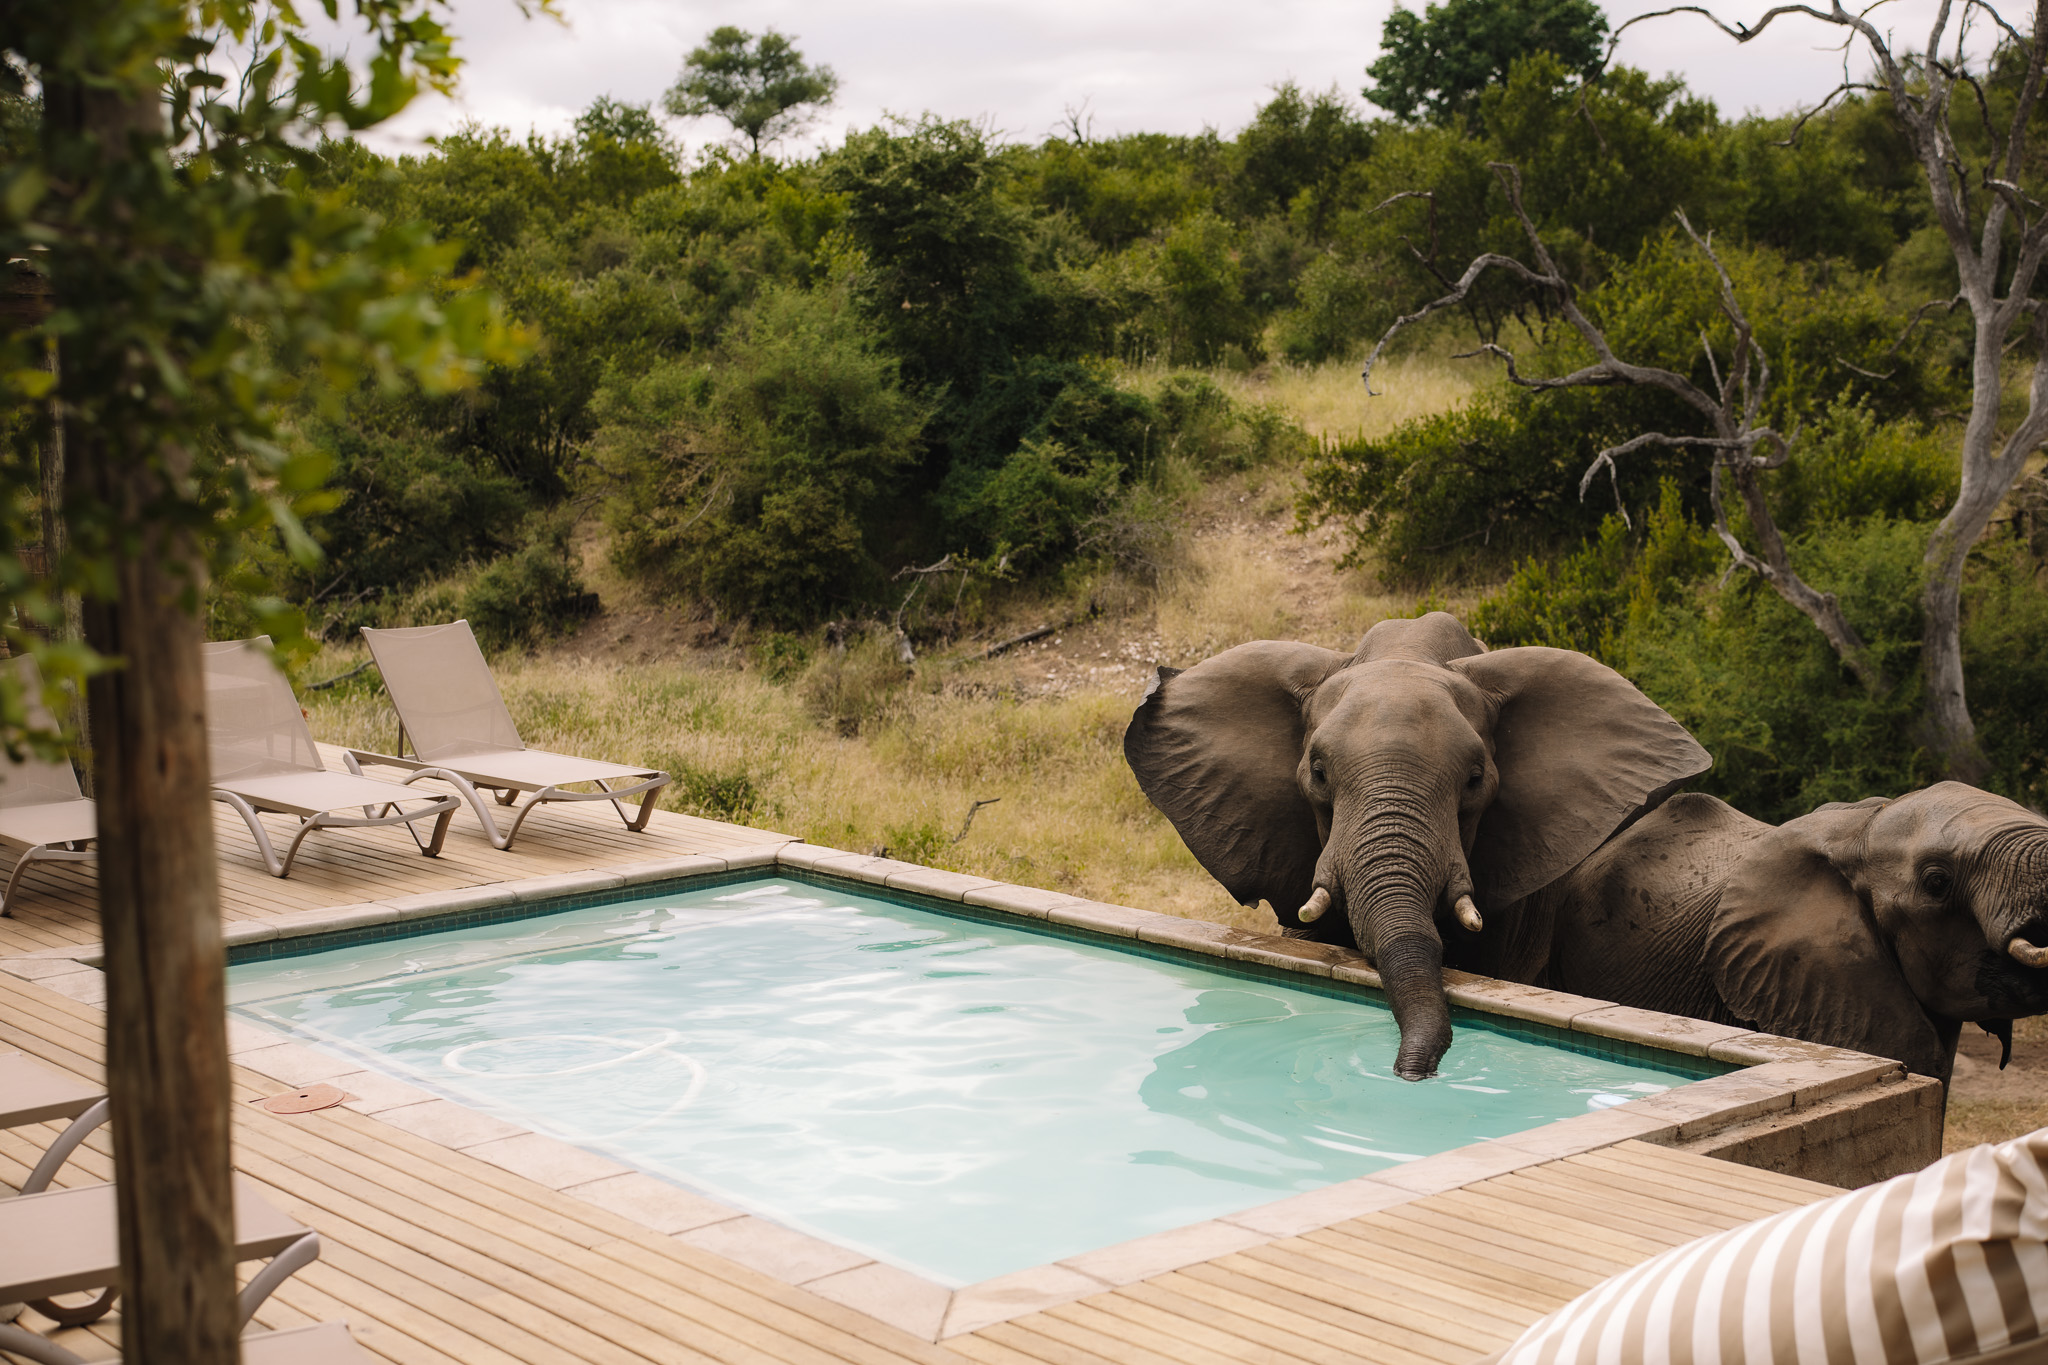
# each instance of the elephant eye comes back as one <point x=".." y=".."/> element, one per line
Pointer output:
<point x="1937" y="882"/>
<point x="1315" y="772"/>
<point x="1478" y="776"/>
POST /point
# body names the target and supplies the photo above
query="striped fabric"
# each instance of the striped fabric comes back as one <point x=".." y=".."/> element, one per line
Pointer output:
<point x="1947" y="1264"/>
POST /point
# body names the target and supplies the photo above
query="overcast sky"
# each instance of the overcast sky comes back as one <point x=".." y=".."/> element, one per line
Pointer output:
<point x="1139" y="65"/>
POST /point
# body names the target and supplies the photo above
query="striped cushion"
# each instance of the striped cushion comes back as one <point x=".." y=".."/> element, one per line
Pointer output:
<point x="1947" y="1264"/>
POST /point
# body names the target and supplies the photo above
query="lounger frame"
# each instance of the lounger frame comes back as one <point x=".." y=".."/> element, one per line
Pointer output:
<point x="70" y="851"/>
<point x="442" y="808"/>
<point x="504" y="791"/>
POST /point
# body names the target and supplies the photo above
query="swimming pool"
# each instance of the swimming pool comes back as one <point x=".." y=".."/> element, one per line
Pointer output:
<point x="955" y="1095"/>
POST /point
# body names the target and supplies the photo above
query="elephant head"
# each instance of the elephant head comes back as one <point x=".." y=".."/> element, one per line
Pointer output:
<point x="1385" y="795"/>
<point x="1885" y="925"/>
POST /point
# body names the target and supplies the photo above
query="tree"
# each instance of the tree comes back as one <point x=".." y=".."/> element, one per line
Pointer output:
<point x="199" y="286"/>
<point x="621" y="122"/>
<point x="758" y="85"/>
<point x="1436" y="66"/>
<point x="1986" y="188"/>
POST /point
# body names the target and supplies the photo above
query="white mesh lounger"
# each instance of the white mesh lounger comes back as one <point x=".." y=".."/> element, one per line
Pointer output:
<point x="264" y="760"/>
<point x="450" y="707"/>
<point x="43" y="815"/>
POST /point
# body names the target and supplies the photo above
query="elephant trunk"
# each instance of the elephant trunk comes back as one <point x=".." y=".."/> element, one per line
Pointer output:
<point x="1411" y="968"/>
<point x="1392" y="878"/>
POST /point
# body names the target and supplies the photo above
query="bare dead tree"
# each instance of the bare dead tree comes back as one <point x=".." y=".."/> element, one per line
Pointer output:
<point x="1997" y="230"/>
<point x="1742" y="447"/>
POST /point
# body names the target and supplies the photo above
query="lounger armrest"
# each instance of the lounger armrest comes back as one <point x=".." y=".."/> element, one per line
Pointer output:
<point x="67" y="1142"/>
<point x="40" y="1349"/>
<point x="281" y="1267"/>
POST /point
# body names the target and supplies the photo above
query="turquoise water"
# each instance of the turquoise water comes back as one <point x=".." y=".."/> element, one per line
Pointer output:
<point x="956" y="1097"/>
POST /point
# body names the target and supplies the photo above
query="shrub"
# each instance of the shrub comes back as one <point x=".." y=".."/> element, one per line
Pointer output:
<point x="1585" y="600"/>
<point x="1338" y="305"/>
<point x="759" y="480"/>
<point x="1499" y="478"/>
<point x="856" y="683"/>
<point x="731" y="796"/>
<point x="1788" y="725"/>
<point x="1033" y="506"/>
<point x="529" y="596"/>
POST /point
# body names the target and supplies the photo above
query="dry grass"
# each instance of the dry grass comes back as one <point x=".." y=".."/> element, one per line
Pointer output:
<point x="1070" y="816"/>
<point x="1329" y="400"/>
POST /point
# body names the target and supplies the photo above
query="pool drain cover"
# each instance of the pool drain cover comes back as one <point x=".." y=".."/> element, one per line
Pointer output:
<point x="304" y="1101"/>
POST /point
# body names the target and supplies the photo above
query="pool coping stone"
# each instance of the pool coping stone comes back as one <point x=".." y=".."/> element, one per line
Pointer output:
<point x="1776" y="1075"/>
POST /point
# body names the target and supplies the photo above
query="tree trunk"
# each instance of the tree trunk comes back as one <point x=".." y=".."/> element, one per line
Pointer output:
<point x="1948" y="731"/>
<point x="167" y="1056"/>
<point x="167" y="1065"/>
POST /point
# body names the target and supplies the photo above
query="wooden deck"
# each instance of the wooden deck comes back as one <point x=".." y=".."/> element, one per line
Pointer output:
<point x="432" y="1255"/>
<point x="57" y="902"/>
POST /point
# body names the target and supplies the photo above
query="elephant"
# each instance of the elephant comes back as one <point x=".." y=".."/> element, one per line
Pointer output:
<point x="1417" y="789"/>
<point x="1882" y="926"/>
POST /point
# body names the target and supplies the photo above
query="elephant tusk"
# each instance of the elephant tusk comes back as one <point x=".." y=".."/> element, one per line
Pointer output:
<point x="2026" y="954"/>
<point x="1317" y="904"/>
<point x="1468" y="915"/>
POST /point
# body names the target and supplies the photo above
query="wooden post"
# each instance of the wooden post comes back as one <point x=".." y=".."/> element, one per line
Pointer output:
<point x="167" y="1064"/>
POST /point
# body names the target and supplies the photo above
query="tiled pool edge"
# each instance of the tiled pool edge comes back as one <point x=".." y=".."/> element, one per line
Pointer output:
<point x="1784" y="1083"/>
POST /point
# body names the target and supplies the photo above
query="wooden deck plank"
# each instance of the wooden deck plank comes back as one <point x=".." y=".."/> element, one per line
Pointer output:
<point x="1356" y="1325"/>
<point x="1254" y="1331"/>
<point x="1658" y="1162"/>
<point x="1612" y="1220"/>
<point x="1111" y="1338"/>
<point x="1219" y="1345"/>
<point x="1670" y="1193"/>
<point x="1401" y="1310"/>
<point x="1426" y="1293"/>
<point x="1029" y="1337"/>
<point x="1454" y="1278"/>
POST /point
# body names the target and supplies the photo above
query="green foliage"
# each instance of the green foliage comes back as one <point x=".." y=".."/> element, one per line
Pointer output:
<point x="761" y="86"/>
<point x="1498" y="479"/>
<point x="1587" y="599"/>
<point x="758" y="480"/>
<point x="209" y="287"/>
<point x="2005" y="618"/>
<point x="1202" y="305"/>
<point x="407" y="510"/>
<point x="1436" y="66"/>
<point x="1788" y="725"/>
<point x="1293" y="155"/>
<point x="730" y="796"/>
<point x="944" y="274"/>
<point x="1031" y="508"/>
<point x="528" y="596"/>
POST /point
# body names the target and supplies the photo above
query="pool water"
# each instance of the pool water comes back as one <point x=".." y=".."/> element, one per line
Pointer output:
<point x="958" y="1097"/>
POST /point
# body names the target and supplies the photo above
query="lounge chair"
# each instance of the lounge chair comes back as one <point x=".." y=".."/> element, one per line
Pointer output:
<point x="449" y="705"/>
<point x="32" y="1093"/>
<point x="63" y="1241"/>
<point x="43" y="815"/>
<point x="264" y="760"/>
<point x="1938" y="1267"/>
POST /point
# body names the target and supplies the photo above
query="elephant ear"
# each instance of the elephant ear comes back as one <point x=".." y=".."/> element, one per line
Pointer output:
<point x="1216" y="749"/>
<point x="1581" y="754"/>
<point x="1792" y="949"/>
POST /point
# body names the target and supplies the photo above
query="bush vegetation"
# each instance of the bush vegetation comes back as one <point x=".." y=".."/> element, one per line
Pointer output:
<point x="779" y="384"/>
